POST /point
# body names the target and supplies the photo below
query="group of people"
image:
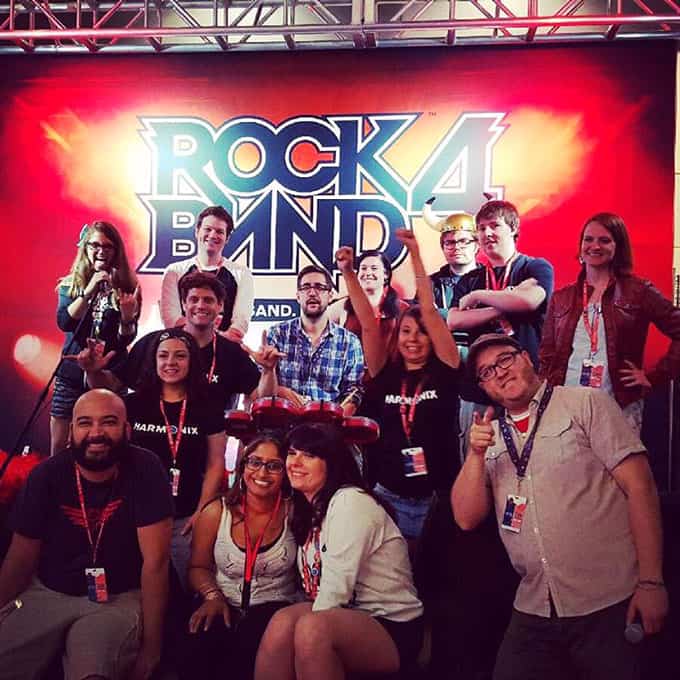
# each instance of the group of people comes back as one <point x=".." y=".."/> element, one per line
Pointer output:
<point x="495" y="397"/>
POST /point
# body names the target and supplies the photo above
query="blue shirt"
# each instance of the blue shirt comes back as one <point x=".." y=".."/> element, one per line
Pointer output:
<point x="330" y="371"/>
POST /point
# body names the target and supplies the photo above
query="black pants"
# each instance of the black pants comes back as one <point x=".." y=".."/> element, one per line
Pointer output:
<point x="590" y="647"/>
<point x="222" y="652"/>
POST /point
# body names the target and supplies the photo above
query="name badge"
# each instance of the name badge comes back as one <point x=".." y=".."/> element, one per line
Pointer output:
<point x="174" y="480"/>
<point x="591" y="374"/>
<point x="414" y="461"/>
<point x="513" y="514"/>
<point x="97" y="590"/>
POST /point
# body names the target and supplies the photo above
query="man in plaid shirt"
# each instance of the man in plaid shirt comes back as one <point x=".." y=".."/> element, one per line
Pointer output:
<point x="323" y="361"/>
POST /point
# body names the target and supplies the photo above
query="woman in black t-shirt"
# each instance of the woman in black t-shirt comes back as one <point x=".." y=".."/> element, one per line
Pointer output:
<point x="413" y="396"/>
<point x="172" y="416"/>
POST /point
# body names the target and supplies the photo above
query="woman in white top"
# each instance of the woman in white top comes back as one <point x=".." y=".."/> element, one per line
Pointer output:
<point x="362" y="613"/>
<point x="242" y="565"/>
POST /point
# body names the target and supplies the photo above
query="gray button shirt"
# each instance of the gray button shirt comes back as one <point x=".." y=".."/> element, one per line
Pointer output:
<point x="575" y="542"/>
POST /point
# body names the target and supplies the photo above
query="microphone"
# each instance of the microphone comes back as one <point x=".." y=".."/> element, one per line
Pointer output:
<point x="104" y="286"/>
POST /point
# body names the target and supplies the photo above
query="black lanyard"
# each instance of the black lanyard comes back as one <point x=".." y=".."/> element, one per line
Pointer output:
<point x="521" y="462"/>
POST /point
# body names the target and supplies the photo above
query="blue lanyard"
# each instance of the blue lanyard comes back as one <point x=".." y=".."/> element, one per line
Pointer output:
<point x="521" y="462"/>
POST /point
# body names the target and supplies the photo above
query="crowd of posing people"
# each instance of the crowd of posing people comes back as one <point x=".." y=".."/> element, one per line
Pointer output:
<point x="506" y="513"/>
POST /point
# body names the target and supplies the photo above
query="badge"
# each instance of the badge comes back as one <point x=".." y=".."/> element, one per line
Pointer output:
<point x="514" y="513"/>
<point x="591" y="374"/>
<point x="96" y="584"/>
<point x="174" y="480"/>
<point x="414" y="461"/>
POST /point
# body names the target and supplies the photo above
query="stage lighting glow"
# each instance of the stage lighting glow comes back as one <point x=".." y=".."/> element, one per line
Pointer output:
<point x="27" y="349"/>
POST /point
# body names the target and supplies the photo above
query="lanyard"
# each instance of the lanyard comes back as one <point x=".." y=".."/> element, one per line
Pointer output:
<point x="492" y="282"/>
<point x="211" y="372"/>
<point x="407" y="418"/>
<point x="521" y="462"/>
<point x="311" y="576"/>
<point x="94" y="545"/>
<point x="252" y="549"/>
<point x="591" y="329"/>
<point x="174" y="442"/>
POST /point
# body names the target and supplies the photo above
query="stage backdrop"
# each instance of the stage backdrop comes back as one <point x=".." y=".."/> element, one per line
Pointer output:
<point x="313" y="150"/>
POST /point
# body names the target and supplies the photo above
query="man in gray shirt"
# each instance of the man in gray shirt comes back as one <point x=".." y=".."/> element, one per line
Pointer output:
<point x="578" y="511"/>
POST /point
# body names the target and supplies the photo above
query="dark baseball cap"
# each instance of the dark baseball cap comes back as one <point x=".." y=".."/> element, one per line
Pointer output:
<point x="487" y="340"/>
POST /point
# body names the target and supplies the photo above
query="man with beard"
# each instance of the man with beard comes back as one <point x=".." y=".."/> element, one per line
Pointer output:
<point x="323" y="361"/>
<point x="228" y="367"/>
<point x="89" y="554"/>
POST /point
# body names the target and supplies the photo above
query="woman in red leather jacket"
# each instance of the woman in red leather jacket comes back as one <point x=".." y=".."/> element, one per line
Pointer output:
<point x="595" y="329"/>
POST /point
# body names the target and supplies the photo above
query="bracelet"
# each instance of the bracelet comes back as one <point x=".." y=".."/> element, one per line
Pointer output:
<point x="215" y="594"/>
<point x="650" y="584"/>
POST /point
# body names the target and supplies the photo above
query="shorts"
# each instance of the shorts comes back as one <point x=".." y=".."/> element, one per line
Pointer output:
<point x="64" y="397"/>
<point x="407" y="637"/>
<point x="410" y="512"/>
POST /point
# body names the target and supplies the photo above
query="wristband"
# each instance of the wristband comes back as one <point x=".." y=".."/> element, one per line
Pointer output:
<point x="215" y="594"/>
<point x="650" y="584"/>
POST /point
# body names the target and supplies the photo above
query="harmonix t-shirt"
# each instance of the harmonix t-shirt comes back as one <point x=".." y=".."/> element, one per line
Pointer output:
<point x="148" y="430"/>
<point x="435" y="428"/>
<point x="234" y="373"/>
<point x="48" y="509"/>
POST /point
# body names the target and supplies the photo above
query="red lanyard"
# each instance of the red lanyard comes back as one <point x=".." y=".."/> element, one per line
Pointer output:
<point x="311" y="576"/>
<point x="174" y="442"/>
<point x="591" y="329"/>
<point x="407" y="418"/>
<point x="94" y="545"/>
<point x="492" y="282"/>
<point x="251" y="550"/>
<point x="211" y="372"/>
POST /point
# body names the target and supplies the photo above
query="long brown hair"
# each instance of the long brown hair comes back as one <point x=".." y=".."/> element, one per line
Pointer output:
<point x="82" y="270"/>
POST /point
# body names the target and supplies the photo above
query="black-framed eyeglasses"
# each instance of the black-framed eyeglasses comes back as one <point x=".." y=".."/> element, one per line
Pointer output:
<point x="461" y="243"/>
<point x="274" y="467"/>
<point x="503" y="361"/>
<point x="316" y="287"/>
<point x="104" y="247"/>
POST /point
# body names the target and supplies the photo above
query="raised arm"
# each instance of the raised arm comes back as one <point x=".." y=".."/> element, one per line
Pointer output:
<point x="170" y="308"/>
<point x="440" y="336"/>
<point x="375" y="350"/>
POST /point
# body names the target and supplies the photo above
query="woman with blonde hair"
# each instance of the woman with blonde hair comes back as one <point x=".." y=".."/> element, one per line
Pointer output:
<point x="99" y="300"/>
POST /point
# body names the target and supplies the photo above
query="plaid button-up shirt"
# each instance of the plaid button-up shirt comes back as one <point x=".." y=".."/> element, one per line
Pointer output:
<point x="331" y="371"/>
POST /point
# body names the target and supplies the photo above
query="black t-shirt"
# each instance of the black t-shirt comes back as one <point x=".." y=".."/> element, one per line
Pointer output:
<point x="48" y="509"/>
<point x="235" y="372"/>
<point x="148" y="430"/>
<point x="435" y="428"/>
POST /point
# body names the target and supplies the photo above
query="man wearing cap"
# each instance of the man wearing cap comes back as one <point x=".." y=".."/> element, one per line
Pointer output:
<point x="575" y="500"/>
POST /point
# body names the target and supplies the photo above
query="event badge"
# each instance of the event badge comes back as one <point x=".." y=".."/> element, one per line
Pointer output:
<point x="414" y="461"/>
<point x="96" y="584"/>
<point x="591" y="374"/>
<point x="513" y="514"/>
<point x="174" y="480"/>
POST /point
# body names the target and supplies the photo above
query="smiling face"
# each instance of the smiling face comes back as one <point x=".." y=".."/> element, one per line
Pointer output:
<point x="372" y="275"/>
<point x="211" y="236"/>
<point x="597" y="246"/>
<point x="101" y="251"/>
<point x="260" y="481"/>
<point x="172" y="361"/>
<point x="413" y="343"/>
<point x="307" y="473"/>
<point x="201" y="307"/>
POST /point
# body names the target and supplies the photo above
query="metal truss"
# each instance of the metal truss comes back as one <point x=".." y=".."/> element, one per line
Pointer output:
<point x="221" y="25"/>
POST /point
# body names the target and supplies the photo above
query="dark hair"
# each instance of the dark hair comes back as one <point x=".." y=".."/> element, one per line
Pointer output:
<point x="415" y="313"/>
<point x="314" y="269"/>
<point x="219" y="212"/>
<point x="149" y="383"/>
<point x="390" y="304"/>
<point x="196" y="279"/>
<point x="325" y="442"/>
<point x="504" y="209"/>
<point x="234" y="496"/>
<point x="622" y="263"/>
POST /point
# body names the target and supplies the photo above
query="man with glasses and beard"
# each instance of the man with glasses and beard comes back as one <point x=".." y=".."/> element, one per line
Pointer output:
<point x="86" y="574"/>
<point x="323" y="361"/>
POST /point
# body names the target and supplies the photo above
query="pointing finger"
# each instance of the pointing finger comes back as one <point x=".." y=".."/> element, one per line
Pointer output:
<point x="488" y="415"/>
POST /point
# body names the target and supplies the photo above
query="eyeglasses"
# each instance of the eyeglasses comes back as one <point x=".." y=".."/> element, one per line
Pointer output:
<point x="274" y="467"/>
<point x="504" y="361"/>
<point x="104" y="247"/>
<point x="461" y="243"/>
<point x="316" y="287"/>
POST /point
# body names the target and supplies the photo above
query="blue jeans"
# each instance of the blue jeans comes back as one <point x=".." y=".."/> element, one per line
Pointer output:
<point x="410" y="512"/>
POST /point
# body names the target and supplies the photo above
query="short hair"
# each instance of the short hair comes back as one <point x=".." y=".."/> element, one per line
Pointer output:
<point x="196" y="279"/>
<point x="504" y="209"/>
<point x="314" y="269"/>
<point x="622" y="262"/>
<point x="219" y="212"/>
